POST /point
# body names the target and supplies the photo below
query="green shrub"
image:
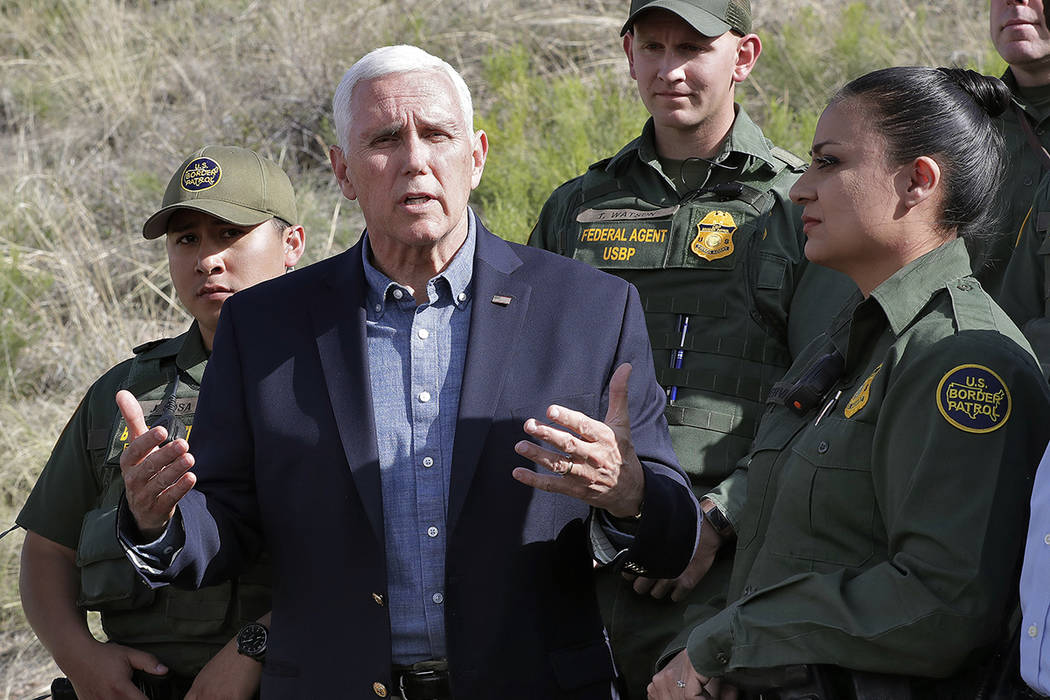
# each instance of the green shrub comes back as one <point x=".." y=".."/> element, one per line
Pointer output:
<point x="544" y="130"/>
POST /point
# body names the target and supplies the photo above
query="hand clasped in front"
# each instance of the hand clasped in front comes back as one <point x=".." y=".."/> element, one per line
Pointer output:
<point x="595" y="461"/>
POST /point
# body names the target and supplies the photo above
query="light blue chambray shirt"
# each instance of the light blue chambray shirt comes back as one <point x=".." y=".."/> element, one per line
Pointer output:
<point x="1035" y="586"/>
<point x="415" y="362"/>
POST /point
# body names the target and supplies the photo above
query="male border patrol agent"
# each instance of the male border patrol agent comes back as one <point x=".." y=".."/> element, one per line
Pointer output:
<point x="228" y="217"/>
<point x="695" y="213"/>
<point x="1018" y="29"/>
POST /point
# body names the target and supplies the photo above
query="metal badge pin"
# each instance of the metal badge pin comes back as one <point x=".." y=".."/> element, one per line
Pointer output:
<point x="502" y="300"/>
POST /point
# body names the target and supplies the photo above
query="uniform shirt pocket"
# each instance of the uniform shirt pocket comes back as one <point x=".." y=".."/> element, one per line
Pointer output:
<point x="827" y="500"/>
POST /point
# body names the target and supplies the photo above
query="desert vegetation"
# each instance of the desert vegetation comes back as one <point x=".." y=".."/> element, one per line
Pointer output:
<point x="101" y="99"/>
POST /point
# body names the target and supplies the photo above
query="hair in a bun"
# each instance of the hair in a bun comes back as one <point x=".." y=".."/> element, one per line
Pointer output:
<point x="946" y="114"/>
<point x="991" y="94"/>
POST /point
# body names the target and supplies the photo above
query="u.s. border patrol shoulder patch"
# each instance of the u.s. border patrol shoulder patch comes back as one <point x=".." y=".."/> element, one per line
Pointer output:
<point x="973" y="398"/>
<point x="201" y="174"/>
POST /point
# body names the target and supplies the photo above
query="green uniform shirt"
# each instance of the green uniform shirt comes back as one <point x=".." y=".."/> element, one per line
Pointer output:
<point x="1024" y="170"/>
<point x="884" y="524"/>
<point x="74" y="504"/>
<point x="725" y="253"/>
<point x="1025" y="294"/>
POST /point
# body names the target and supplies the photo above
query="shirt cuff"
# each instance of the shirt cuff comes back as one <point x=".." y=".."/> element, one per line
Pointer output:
<point x="608" y="542"/>
<point x="153" y="557"/>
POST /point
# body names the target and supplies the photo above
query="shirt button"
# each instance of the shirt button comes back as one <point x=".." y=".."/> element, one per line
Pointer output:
<point x="379" y="307"/>
<point x="822" y="448"/>
<point x="462" y="296"/>
<point x="169" y="550"/>
<point x="379" y="689"/>
<point x="424" y="396"/>
<point x="423" y="333"/>
<point x="398" y="294"/>
<point x="722" y="658"/>
<point x="1033" y="631"/>
<point x="378" y="599"/>
<point x="432" y="531"/>
<point x="438" y="598"/>
<point x="1047" y="539"/>
<point x="428" y="462"/>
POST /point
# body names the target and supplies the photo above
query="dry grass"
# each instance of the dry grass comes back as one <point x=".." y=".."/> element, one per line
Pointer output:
<point x="101" y="99"/>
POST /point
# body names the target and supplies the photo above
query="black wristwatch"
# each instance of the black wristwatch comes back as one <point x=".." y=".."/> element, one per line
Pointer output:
<point x="251" y="641"/>
<point x="719" y="521"/>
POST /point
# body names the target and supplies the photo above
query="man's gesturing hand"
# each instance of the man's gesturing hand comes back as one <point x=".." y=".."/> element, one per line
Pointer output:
<point x="154" y="479"/>
<point x="597" y="464"/>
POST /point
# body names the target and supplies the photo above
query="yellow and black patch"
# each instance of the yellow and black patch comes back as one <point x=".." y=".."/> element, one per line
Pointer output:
<point x="860" y="399"/>
<point x="201" y="174"/>
<point x="629" y="242"/>
<point x="974" y="399"/>
<point x="714" y="237"/>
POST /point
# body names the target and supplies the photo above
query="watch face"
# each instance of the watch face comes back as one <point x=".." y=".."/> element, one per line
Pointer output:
<point x="251" y="640"/>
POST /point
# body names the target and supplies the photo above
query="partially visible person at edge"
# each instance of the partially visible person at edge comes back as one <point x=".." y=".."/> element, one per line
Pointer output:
<point x="695" y="213"/>
<point x="889" y="477"/>
<point x="228" y="220"/>
<point x="1035" y="593"/>
<point x="1018" y="29"/>
<point x="1020" y="34"/>
<point x="368" y="420"/>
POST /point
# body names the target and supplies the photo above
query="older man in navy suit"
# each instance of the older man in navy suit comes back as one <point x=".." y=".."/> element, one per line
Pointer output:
<point x="376" y="420"/>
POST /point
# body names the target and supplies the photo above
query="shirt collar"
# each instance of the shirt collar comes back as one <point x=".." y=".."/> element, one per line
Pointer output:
<point x="745" y="141"/>
<point x="453" y="281"/>
<point x="909" y="289"/>
<point x="192" y="352"/>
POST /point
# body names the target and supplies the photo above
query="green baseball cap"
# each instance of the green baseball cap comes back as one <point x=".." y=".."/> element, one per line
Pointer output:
<point x="230" y="183"/>
<point x="709" y="17"/>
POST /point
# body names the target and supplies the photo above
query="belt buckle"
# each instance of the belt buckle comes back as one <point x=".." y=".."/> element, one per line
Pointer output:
<point x="422" y="674"/>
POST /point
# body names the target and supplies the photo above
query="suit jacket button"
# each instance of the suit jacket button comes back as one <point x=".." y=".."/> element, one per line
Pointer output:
<point x="379" y="689"/>
<point x="722" y="658"/>
<point x="378" y="599"/>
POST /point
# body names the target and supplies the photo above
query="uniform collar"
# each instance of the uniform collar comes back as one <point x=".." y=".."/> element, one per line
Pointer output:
<point x="192" y="353"/>
<point x="905" y="293"/>
<point x="898" y="301"/>
<point x="745" y="141"/>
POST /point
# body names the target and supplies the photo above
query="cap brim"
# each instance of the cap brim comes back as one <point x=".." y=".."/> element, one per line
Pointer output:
<point x="157" y="225"/>
<point x="700" y="20"/>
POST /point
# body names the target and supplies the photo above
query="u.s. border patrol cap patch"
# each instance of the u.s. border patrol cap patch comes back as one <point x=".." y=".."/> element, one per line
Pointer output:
<point x="973" y="398"/>
<point x="201" y="174"/>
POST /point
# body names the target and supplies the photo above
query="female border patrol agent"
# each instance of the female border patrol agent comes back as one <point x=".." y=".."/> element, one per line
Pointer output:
<point x="226" y="218"/>
<point x="888" y="480"/>
<point x="695" y="213"/>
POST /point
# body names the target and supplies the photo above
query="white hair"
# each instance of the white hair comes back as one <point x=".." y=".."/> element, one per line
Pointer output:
<point x="392" y="59"/>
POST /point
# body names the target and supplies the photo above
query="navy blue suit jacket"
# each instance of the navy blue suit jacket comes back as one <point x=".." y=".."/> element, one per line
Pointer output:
<point x="286" y="458"/>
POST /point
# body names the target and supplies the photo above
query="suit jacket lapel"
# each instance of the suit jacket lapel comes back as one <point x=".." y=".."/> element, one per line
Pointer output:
<point x="339" y="327"/>
<point x="494" y="325"/>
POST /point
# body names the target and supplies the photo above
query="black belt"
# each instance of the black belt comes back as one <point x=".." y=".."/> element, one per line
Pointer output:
<point x="427" y="680"/>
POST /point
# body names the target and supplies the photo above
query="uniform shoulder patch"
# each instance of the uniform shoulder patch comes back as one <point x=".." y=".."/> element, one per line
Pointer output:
<point x="860" y="399"/>
<point x="974" y="399"/>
